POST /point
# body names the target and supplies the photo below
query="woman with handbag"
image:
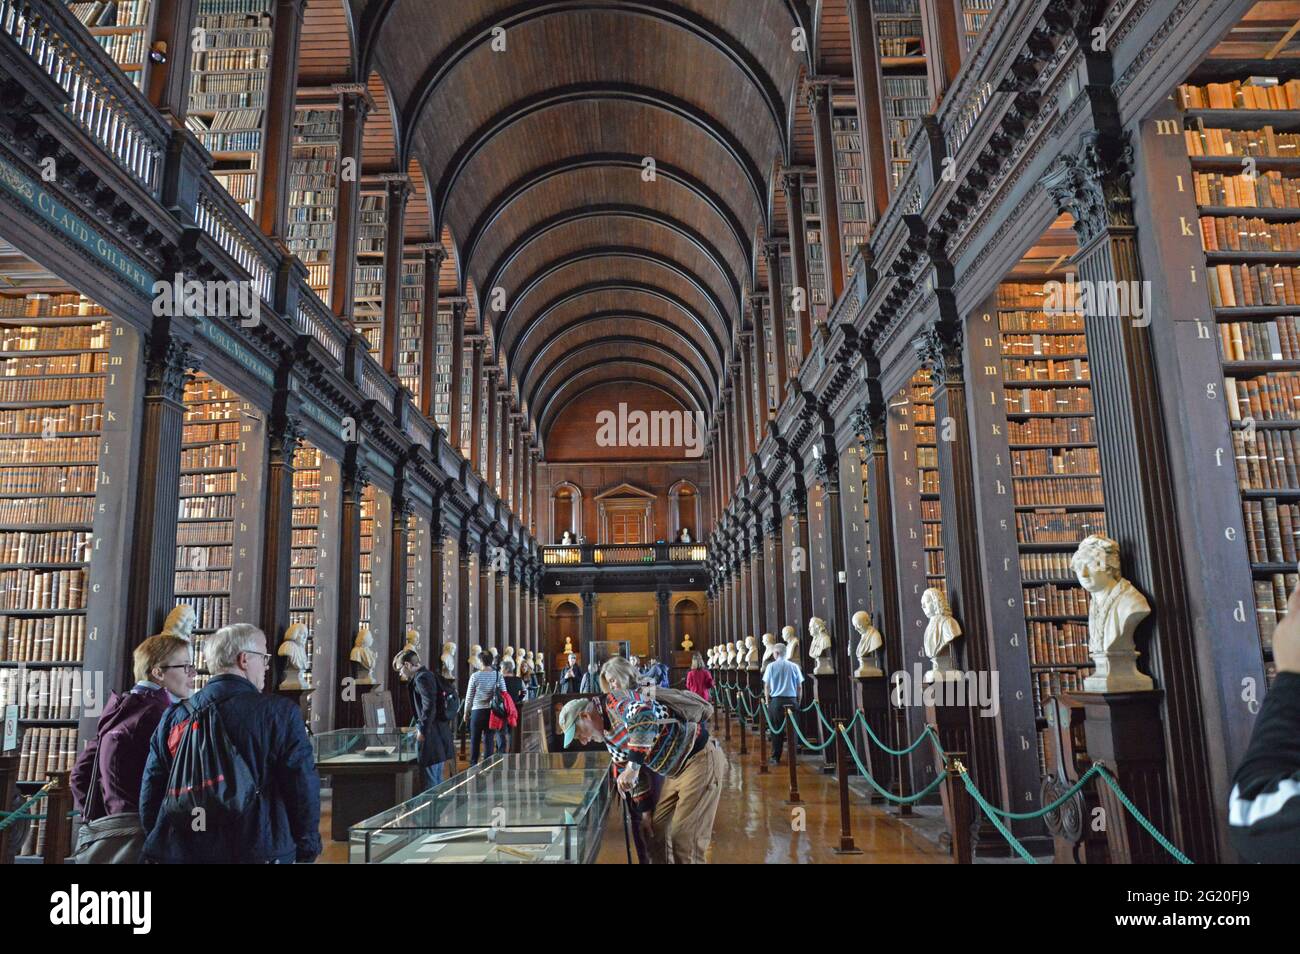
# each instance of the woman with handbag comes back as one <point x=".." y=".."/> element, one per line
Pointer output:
<point x="486" y="687"/>
<point x="108" y="771"/>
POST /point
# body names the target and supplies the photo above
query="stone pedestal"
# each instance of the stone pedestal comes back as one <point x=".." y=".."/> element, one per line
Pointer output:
<point x="1123" y="732"/>
<point x="873" y="699"/>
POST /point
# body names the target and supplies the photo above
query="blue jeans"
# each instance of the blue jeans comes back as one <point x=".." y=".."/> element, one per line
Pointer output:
<point x="433" y="775"/>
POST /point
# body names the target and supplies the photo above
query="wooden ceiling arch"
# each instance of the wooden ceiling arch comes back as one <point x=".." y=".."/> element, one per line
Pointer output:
<point x="606" y="373"/>
<point x="623" y="332"/>
<point x="620" y="348"/>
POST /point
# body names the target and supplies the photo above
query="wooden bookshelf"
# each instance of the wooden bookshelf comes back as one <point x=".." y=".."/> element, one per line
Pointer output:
<point x="368" y="290"/>
<point x="974" y="14"/>
<point x="313" y="189"/>
<point x="850" y="178"/>
<point x="442" y="383"/>
<point x="1247" y="193"/>
<point x="367" y="555"/>
<point x="791" y="324"/>
<point x="466" y="386"/>
<point x="921" y="396"/>
<point x="228" y="89"/>
<point x="904" y="87"/>
<point x="305" y="578"/>
<point x="410" y="327"/>
<point x="123" y="28"/>
<point x="818" y="298"/>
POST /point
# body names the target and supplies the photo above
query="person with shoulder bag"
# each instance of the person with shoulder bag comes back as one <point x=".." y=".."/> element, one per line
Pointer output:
<point x="107" y="774"/>
<point x="435" y="702"/>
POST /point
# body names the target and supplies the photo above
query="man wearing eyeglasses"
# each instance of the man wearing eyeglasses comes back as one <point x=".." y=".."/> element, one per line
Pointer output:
<point x="281" y="822"/>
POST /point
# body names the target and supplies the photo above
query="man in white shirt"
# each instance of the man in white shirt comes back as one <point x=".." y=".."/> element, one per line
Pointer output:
<point x="782" y="681"/>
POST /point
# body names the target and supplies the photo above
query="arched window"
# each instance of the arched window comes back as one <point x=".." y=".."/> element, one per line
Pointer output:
<point x="683" y="511"/>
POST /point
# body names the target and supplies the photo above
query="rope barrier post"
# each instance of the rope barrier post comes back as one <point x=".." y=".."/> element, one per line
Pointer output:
<point x="726" y="720"/>
<point x="791" y="752"/>
<point x="740" y="721"/>
<point x="58" y="826"/>
<point x="762" y="743"/>
<point x="8" y="780"/>
<point x="956" y="806"/>
<point x="841" y="759"/>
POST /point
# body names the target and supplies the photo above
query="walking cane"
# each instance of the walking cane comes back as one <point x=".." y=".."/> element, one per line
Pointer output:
<point x="627" y="837"/>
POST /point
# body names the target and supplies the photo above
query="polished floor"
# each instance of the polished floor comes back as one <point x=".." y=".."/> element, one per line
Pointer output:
<point x="755" y="826"/>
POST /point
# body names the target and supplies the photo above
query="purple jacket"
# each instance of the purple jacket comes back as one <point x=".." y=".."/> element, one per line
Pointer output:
<point x="123" y="735"/>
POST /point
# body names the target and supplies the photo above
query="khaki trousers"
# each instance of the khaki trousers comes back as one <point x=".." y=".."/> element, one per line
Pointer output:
<point x="683" y="817"/>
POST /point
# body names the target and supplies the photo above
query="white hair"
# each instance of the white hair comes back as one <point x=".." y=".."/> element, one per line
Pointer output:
<point x="223" y="647"/>
<point x="508" y="665"/>
<point x="778" y="650"/>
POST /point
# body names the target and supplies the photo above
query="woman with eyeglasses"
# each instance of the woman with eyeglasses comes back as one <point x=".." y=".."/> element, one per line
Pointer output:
<point x="108" y="771"/>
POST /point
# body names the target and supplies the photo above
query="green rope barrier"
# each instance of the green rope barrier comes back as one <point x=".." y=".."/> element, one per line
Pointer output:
<point x="1141" y="819"/>
<point x="821" y="718"/>
<point x="900" y="799"/>
<point x="1028" y="816"/>
<point x="988" y="810"/>
<point x="810" y="745"/>
<point x="20" y="812"/>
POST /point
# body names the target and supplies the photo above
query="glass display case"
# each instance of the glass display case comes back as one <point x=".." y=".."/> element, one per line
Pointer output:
<point x="362" y="747"/>
<point x="509" y="809"/>
<point x="600" y="651"/>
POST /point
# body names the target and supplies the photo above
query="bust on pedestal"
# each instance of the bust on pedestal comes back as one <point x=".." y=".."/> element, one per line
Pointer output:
<point x="940" y="633"/>
<point x="1114" y="612"/>
<point x="869" y="643"/>
<point x="768" y="642"/>
<point x="687" y="645"/>
<point x="294" y="650"/>
<point x="791" y="637"/>
<point x="449" y="660"/>
<point x="751" y="654"/>
<point x="820" y="647"/>
<point x="474" y="664"/>
<point x="363" y="654"/>
<point x="180" y="623"/>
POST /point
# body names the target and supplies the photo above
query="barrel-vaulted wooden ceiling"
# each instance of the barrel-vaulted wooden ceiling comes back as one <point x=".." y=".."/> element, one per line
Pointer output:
<point x="533" y="124"/>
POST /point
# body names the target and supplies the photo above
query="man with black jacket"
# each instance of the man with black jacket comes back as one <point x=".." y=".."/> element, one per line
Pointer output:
<point x="1264" y="807"/>
<point x="282" y="823"/>
<point x="435" y="703"/>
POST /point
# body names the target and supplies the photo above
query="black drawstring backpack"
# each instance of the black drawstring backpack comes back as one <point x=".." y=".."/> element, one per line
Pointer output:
<point x="207" y="772"/>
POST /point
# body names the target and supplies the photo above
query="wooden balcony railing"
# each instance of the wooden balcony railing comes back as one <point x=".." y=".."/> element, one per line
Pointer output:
<point x="624" y="554"/>
<point x="102" y="101"/>
<point x="220" y="216"/>
<point x="314" y="319"/>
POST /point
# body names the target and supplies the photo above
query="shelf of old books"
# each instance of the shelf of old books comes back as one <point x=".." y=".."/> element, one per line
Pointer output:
<point x="770" y="341"/>
<point x="974" y="14"/>
<point x="1055" y="476"/>
<point x="904" y="88"/>
<point x="123" y="29"/>
<point x="1243" y="143"/>
<point x="367" y="552"/>
<point x="815" y="250"/>
<point x="368" y="287"/>
<point x="410" y="327"/>
<point x="231" y="68"/>
<point x="787" y="307"/>
<point x="466" y="387"/>
<point x="313" y="188"/>
<point x="921" y="395"/>
<point x="305" y="552"/>
<point x="442" y="384"/>
<point x="850" y="175"/>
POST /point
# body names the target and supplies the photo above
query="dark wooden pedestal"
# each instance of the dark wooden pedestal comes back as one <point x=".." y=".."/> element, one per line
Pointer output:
<point x="362" y="790"/>
<point x="1123" y="732"/>
<point x="953" y="725"/>
<point x="299" y="697"/>
<point x="873" y="700"/>
<point x="825" y="689"/>
<point x="754" y="680"/>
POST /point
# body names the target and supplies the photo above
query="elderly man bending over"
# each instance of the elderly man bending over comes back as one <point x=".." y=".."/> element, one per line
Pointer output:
<point x="646" y="736"/>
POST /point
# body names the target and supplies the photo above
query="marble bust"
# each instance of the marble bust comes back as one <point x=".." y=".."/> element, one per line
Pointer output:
<point x="294" y="650"/>
<point x="768" y="642"/>
<point x="363" y="654"/>
<point x="474" y="664"/>
<point x="412" y="641"/>
<point x="751" y="653"/>
<point x="1115" y="609"/>
<point x="939" y="635"/>
<point x="449" y="658"/>
<point x="732" y="656"/>
<point x="710" y="657"/>
<point x="508" y="654"/>
<point x="869" y="643"/>
<point x="180" y="622"/>
<point x="820" y="647"/>
<point x="687" y="645"/>
<point x="568" y="646"/>
<point x="790" y="636"/>
<point x="567" y="539"/>
<point x="684" y="536"/>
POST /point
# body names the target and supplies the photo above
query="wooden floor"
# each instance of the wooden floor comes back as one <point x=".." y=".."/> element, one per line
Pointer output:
<point x="755" y="826"/>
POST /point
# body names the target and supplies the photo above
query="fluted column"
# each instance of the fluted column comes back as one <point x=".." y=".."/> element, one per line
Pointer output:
<point x="761" y="405"/>
<point x="777" y="294"/>
<point x="284" y="434"/>
<point x="281" y="90"/>
<point x="356" y="106"/>
<point x="819" y="106"/>
<point x="793" y="183"/>
<point x="434" y="255"/>
<point x="476" y="409"/>
<point x="355" y="478"/>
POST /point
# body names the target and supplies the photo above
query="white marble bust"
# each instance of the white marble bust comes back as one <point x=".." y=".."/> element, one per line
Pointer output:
<point x="449" y="658"/>
<point x="710" y="657"/>
<point x="474" y="664"/>
<point x="939" y="635"/>
<point x="768" y="642"/>
<point x="508" y="654"/>
<point x="180" y="622"/>
<point x="820" y="647"/>
<point x="790" y="636"/>
<point x="566" y="540"/>
<point x="1115" y="609"/>
<point x="869" y="643"/>
<point x="363" y="654"/>
<point x="412" y="641"/>
<point x="751" y="653"/>
<point x="294" y="650"/>
<point x="684" y="536"/>
<point x="731" y="656"/>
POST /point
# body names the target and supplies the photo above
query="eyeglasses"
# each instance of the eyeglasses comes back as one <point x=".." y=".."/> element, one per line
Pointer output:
<point x="254" y="652"/>
<point x="188" y="667"/>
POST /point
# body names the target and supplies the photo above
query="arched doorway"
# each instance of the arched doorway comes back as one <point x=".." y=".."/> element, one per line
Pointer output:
<point x="683" y="511"/>
<point x="566" y="512"/>
<point x="565" y="623"/>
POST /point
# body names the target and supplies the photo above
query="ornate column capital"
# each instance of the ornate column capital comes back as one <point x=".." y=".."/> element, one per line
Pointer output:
<point x="169" y="366"/>
<point x="939" y="347"/>
<point x="1091" y="182"/>
<point x="795" y="503"/>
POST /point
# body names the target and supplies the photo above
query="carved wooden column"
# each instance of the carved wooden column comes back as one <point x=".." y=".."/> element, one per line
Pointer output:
<point x="502" y="480"/>
<point x="827" y="470"/>
<point x="1091" y="182"/>
<point x="761" y="404"/>
<point x="940" y="348"/>
<point x="398" y="189"/>
<point x="400" y="532"/>
<point x="434" y="255"/>
<point x="799" y="603"/>
<point x="759" y="622"/>
<point x="463" y="637"/>
<point x="437" y="584"/>
<point x="356" y="106"/>
<point x="745" y="395"/>
<point x="486" y="594"/>
<point x="153" y="539"/>
<point x="793" y="183"/>
<point x="281" y="90"/>
<point x="476" y="409"/>
<point x="168" y="86"/>
<point x="489" y="471"/>
<point x="744" y="601"/>
<point x="588" y="621"/>
<point x="355" y="478"/>
<point x="284" y="433"/>
<point x="663" y="622"/>
<point x="942" y="37"/>
<point x="871" y="122"/>
<point x="778" y="300"/>
<point x="774" y="565"/>
<point x="819" y="105"/>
